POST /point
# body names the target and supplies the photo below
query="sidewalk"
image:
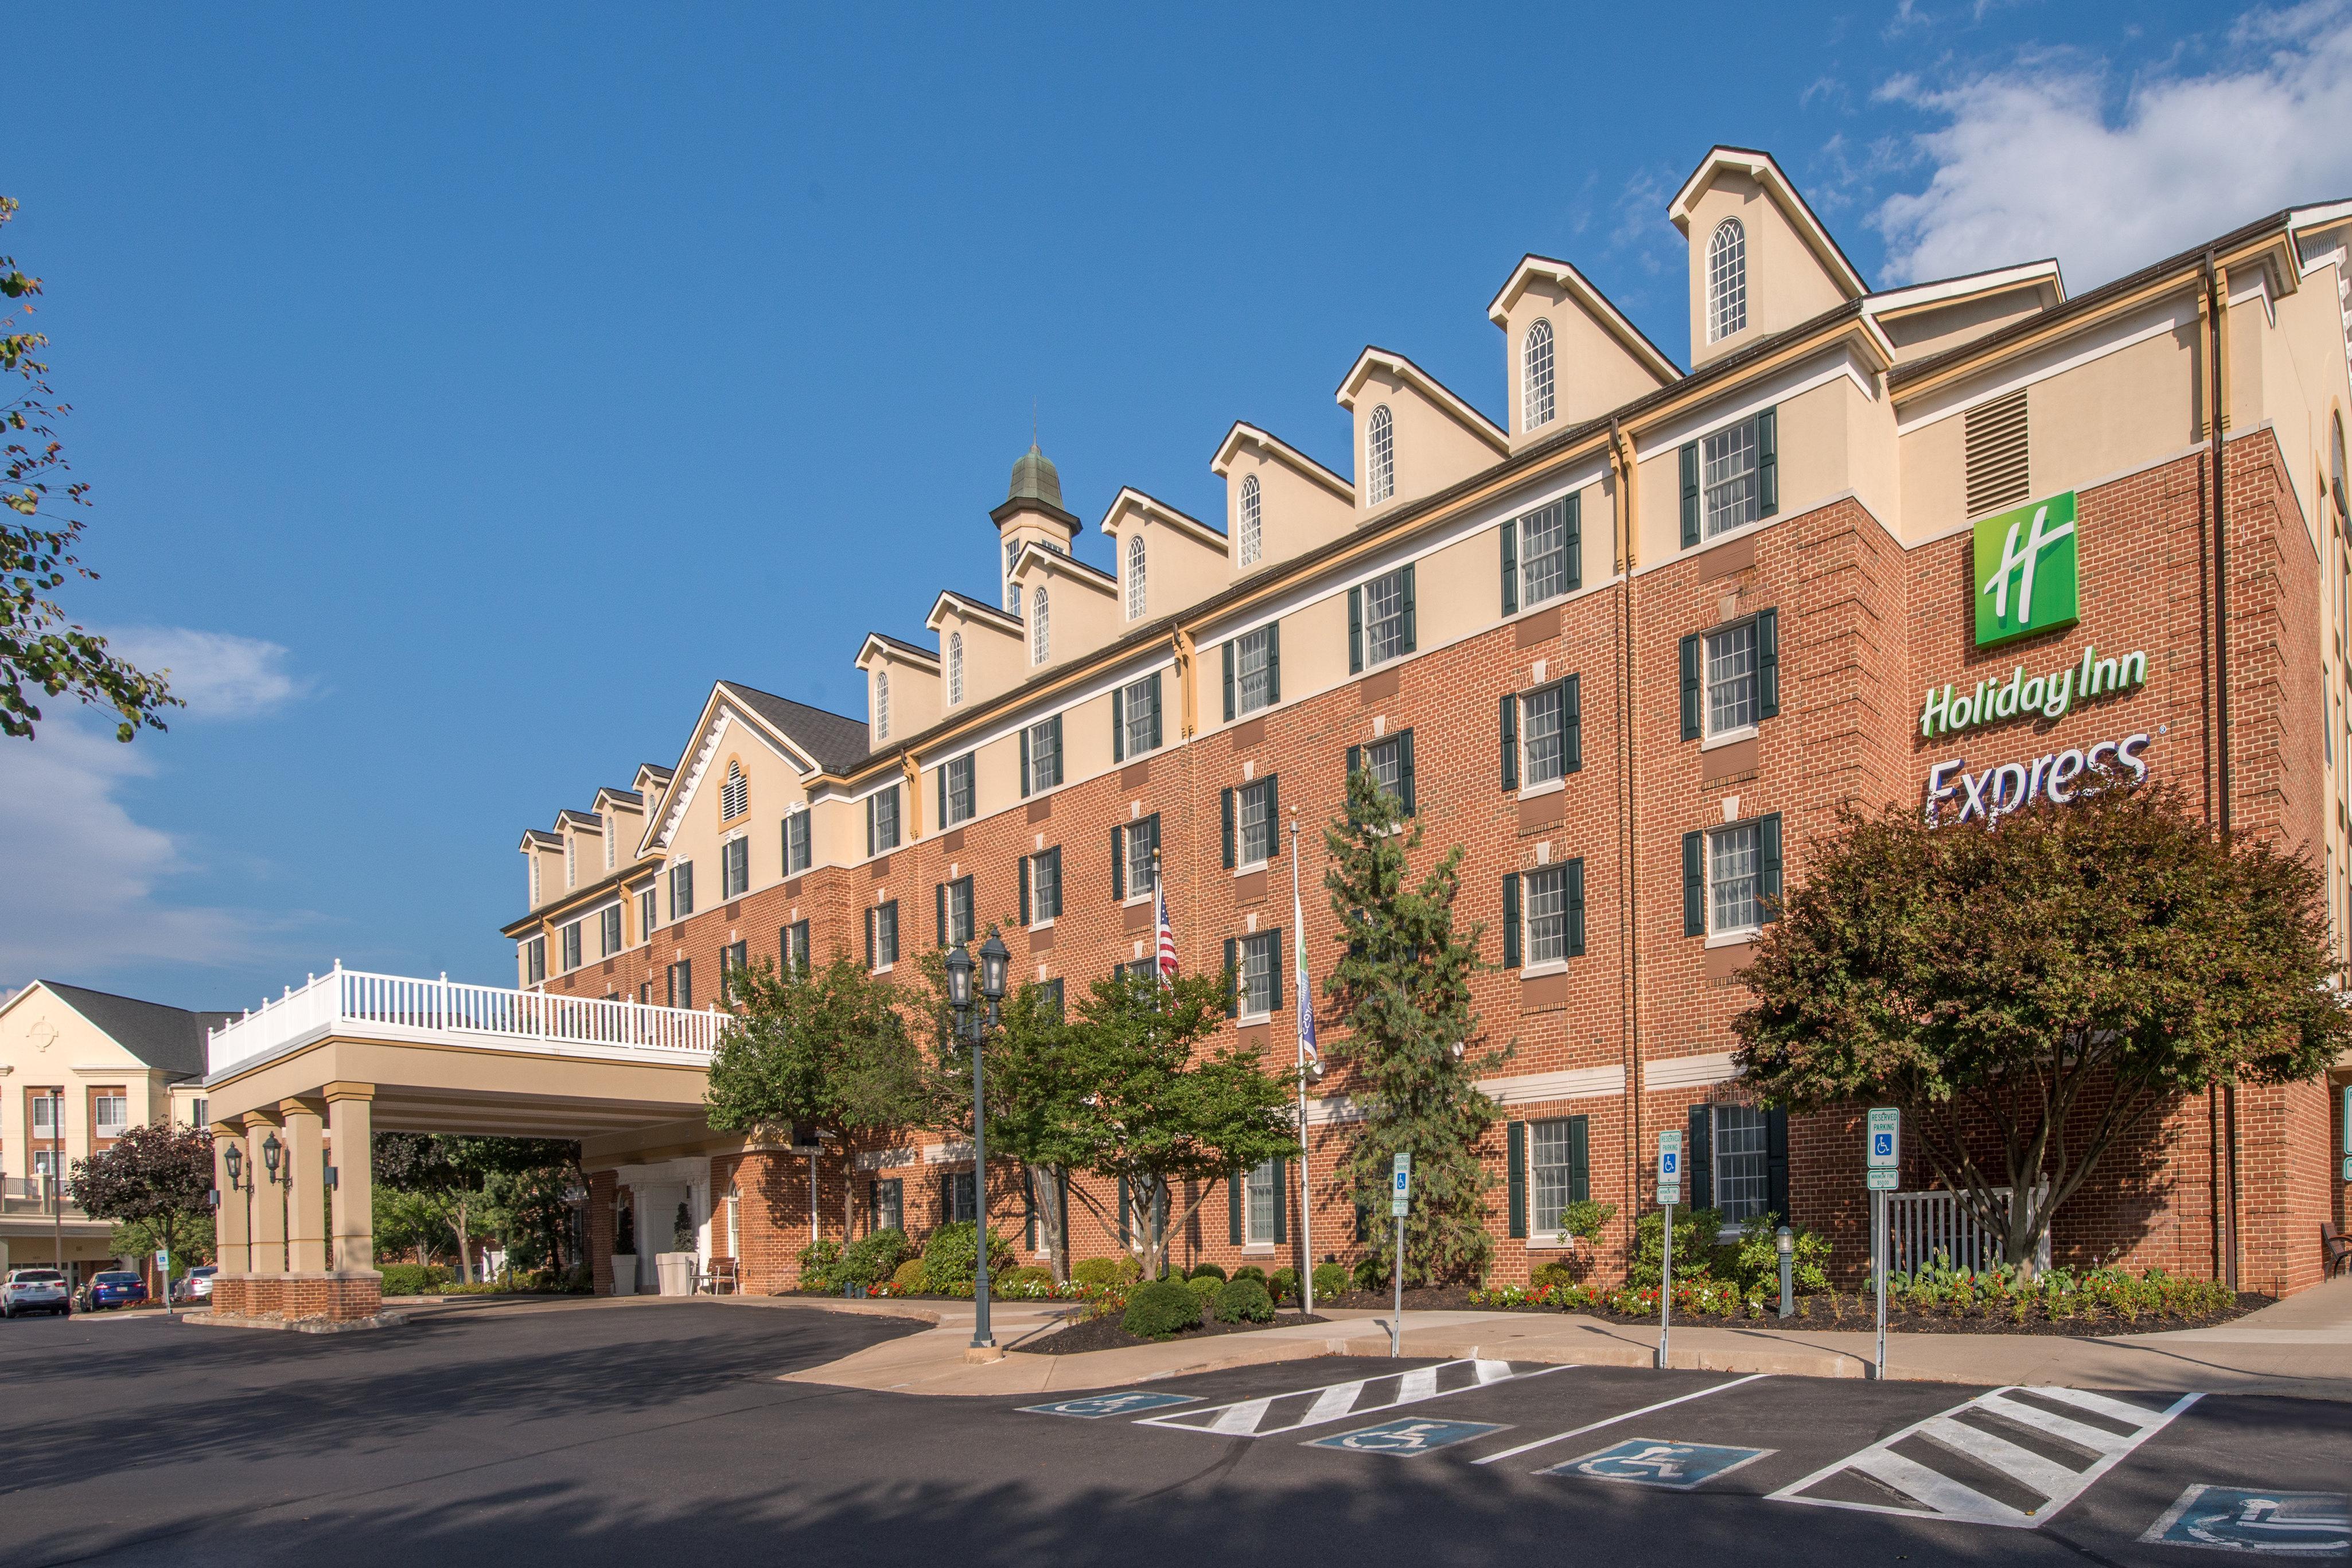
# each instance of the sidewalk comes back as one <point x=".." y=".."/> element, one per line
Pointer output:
<point x="2301" y="1347"/>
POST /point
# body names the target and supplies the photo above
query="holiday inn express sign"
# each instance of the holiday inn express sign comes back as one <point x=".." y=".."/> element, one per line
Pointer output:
<point x="2027" y="580"/>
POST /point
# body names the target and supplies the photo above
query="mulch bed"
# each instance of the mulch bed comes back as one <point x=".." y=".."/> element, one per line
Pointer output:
<point x="1104" y="1333"/>
<point x="1815" y="1313"/>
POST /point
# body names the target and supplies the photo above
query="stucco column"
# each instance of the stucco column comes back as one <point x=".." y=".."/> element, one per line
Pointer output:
<point x="306" y="1187"/>
<point x="232" y="1226"/>
<point x="350" y="1117"/>
<point x="269" y="1225"/>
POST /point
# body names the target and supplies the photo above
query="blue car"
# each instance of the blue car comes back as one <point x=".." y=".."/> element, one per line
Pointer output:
<point x="114" y="1287"/>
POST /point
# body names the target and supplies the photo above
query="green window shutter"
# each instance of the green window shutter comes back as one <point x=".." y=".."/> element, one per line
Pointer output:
<point x="1155" y="709"/>
<point x="1229" y="683"/>
<point x="1572" y="721"/>
<point x="1576" y="907"/>
<point x="1058" y="748"/>
<point x="869" y="826"/>
<point x="1274" y="814"/>
<point x="1118" y="725"/>
<point x="1281" y="1200"/>
<point x="1580" y="1159"/>
<point x="1768" y="463"/>
<point x="940" y="892"/>
<point x="1511" y="920"/>
<point x="1694" y="690"/>
<point x="1024" y="890"/>
<point x="1232" y="979"/>
<point x="1768" y="663"/>
<point x="1701" y="1158"/>
<point x="1273" y="663"/>
<point x="1690" y="494"/>
<point x="1275" y="971"/>
<point x="1695" y="883"/>
<point x="1517" y="1144"/>
<point x="943" y="795"/>
<point x="1405" y="770"/>
<point x="1126" y="1216"/>
<point x="1776" y="1164"/>
<point x="1355" y="631"/>
<point x="1117" y="867"/>
<point x="1411" y="643"/>
<point x="1225" y="808"/>
<point x="1510" y="566"/>
<point x="1768" y="871"/>
<point x="1575" y="540"/>
<point x="1355" y="760"/>
<point x="869" y="939"/>
<point x="1025" y="765"/>
<point x="1508" y="725"/>
<point x="1029" y="1208"/>
<point x="1234" y="1184"/>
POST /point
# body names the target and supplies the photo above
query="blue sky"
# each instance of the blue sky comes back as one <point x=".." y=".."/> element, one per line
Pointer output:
<point x="463" y="389"/>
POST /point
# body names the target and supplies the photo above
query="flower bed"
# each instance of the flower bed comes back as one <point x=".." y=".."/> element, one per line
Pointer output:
<point x="1105" y="1333"/>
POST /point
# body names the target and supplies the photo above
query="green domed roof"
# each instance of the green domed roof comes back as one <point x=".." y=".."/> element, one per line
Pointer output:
<point x="1034" y="478"/>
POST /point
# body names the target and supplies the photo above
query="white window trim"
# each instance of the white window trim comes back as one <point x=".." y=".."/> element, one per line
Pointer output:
<point x="1132" y="899"/>
<point x="1258" y="1248"/>
<point x="1537" y="791"/>
<point x="1251" y="1020"/>
<point x="1548" y="966"/>
<point x="1365" y="589"/>
<point x="1740" y="934"/>
<point x="1732" y="938"/>
<point x="1044" y="924"/>
<point x="1729" y="736"/>
<point x="1251" y="868"/>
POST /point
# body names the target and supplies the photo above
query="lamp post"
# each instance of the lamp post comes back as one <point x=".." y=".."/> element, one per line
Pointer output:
<point x="974" y="1023"/>
<point x="1786" y="1241"/>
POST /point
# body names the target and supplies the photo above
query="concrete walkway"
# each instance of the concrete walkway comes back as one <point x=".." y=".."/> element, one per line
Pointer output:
<point x="2301" y="1347"/>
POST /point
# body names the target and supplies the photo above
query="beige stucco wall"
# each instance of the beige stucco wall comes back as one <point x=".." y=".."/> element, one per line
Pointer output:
<point x="1082" y="610"/>
<point x="1926" y="332"/>
<point x="46" y="1043"/>
<point x="1296" y="513"/>
<point x="1180" y="568"/>
<point x="1786" y="281"/>
<point x="915" y="694"/>
<point x="1593" y="371"/>
<point x="995" y="657"/>
<point x="1432" y="448"/>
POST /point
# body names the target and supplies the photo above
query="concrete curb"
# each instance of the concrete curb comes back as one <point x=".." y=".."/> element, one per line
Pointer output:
<point x="295" y="1325"/>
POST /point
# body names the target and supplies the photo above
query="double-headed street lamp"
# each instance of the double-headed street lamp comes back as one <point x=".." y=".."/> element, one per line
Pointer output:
<point x="973" y="1023"/>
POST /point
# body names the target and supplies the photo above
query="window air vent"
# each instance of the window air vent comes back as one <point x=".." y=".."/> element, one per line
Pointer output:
<point x="1997" y="472"/>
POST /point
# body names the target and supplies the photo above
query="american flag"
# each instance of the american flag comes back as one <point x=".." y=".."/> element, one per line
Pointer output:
<point x="1167" y="935"/>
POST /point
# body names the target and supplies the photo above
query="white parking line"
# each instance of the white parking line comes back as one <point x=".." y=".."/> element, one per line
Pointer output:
<point x="1273" y="1414"/>
<point x="1940" y="1496"/>
<point x="1611" y="1421"/>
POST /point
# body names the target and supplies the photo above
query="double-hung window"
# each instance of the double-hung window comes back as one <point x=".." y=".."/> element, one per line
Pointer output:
<point x="1135" y="719"/>
<point x="571" y="935"/>
<point x="887" y="1203"/>
<point x="1543" y="915"/>
<point x="608" y="931"/>
<point x="882" y="821"/>
<point x="111" y="1113"/>
<point x="796" y="843"/>
<point x="646" y="914"/>
<point x="1041" y="757"/>
<point x="1255" y="961"/>
<point x="1731" y="477"/>
<point x="956" y="800"/>
<point x="735" y="867"/>
<point x="1543" y="555"/>
<point x="1389" y="762"/>
<point x="793" y="947"/>
<point x="954" y="912"/>
<point x="1739" y="1161"/>
<point x="731" y="957"/>
<point x="1543" y="735"/>
<point x="882" y="935"/>
<point x="1041" y="887"/>
<point x="1731" y="878"/>
<point x="534" y="961"/>
<point x="1731" y="678"/>
<point x="1254" y="671"/>
<point x="680" y="977"/>
<point x="1560" y="1163"/>
<point x="1252" y="817"/>
<point x="1381" y="620"/>
<point x="1133" y="846"/>
<point x="1263" y="1205"/>
<point x="681" y="890"/>
<point x="957" y="1200"/>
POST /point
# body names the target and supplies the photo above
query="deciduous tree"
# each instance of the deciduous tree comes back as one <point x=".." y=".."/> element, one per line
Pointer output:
<point x="159" y="1177"/>
<point x="458" y="1170"/>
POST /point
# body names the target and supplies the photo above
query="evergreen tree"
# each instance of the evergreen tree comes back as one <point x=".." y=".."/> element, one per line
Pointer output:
<point x="1402" y="986"/>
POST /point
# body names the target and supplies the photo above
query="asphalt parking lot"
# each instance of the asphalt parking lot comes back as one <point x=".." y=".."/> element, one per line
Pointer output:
<point x="658" y="1434"/>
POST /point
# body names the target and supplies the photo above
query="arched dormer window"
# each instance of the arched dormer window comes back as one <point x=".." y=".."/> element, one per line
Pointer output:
<point x="1726" y="280"/>
<point x="735" y="795"/>
<point x="1135" y="596"/>
<point x="611" y="832"/>
<point x="1535" y="378"/>
<point x="955" y="667"/>
<point x="1041" y="637"/>
<point x="1253" y="524"/>
<point x="881" y="705"/>
<point x="1012" y="589"/>
<point x="570" y="861"/>
<point x="1380" y="457"/>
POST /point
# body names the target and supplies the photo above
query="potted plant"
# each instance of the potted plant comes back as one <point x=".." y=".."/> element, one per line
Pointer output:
<point x="624" y="1249"/>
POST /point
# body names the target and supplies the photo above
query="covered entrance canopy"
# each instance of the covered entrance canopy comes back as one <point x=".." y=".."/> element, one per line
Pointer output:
<point x="350" y="1054"/>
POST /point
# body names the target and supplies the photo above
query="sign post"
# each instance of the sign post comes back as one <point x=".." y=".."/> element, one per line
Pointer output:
<point x="1400" y="1195"/>
<point x="163" y="1278"/>
<point x="1883" y="1154"/>
<point x="1670" y="1193"/>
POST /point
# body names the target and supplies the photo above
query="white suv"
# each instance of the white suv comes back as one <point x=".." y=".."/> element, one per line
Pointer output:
<point x="35" y="1290"/>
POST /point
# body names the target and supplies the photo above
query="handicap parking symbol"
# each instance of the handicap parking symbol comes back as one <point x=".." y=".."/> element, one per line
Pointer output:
<point x="1649" y="1461"/>
<point x="2244" y="1519"/>
<point x="1407" y="1438"/>
<point x="1095" y="1407"/>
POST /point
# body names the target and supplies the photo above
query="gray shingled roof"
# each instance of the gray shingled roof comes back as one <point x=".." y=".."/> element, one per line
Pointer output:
<point x="165" y="1037"/>
<point x="837" y="741"/>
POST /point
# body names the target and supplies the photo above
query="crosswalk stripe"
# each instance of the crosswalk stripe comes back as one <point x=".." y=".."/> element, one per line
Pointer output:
<point x="2098" y="1404"/>
<point x="1273" y="1414"/>
<point x="1938" y="1492"/>
<point x="1242" y="1417"/>
<point x="2045" y="1476"/>
<point x="2097" y="1439"/>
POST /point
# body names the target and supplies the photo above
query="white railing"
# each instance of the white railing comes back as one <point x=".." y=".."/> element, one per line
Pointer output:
<point x="345" y="1000"/>
<point x="1919" y="1225"/>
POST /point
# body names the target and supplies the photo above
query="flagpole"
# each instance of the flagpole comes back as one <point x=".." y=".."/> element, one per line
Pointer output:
<point x="1305" y="1004"/>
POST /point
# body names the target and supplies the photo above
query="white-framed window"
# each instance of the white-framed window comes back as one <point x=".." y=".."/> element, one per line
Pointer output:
<point x="735" y="867"/>
<point x="1559" y="1171"/>
<point x="611" y="831"/>
<point x="1731" y="497"/>
<point x="1543" y="915"/>
<point x="47" y="1108"/>
<point x="1138" y="717"/>
<point x="882" y="935"/>
<point x="112" y="1113"/>
<point x="1545" y="569"/>
<point x="1262" y="1203"/>
<point x="679" y="979"/>
<point x="608" y="931"/>
<point x="1380" y="457"/>
<point x="571" y="860"/>
<point x="570" y="936"/>
<point x="1547" y="915"/>
<point x="881" y="705"/>
<point x="45" y="1162"/>
<point x="956" y="793"/>
<point x="1139" y="844"/>
<point x="1389" y="616"/>
<point x="1739" y="1164"/>
<point x="1535" y="378"/>
<point x="955" y="667"/>
<point x="533" y="862"/>
<point x="1726" y="280"/>
<point x="955" y="912"/>
<point x="1041" y="752"/>
<point x="963" y="1205"/>
<point x="1135" y="594"/>
<point x="1731" y="679"/>
<point x="1389" y="762"/>
<point x="1254" y="822"/>
<point x="735" y="795"/>
<point x="731" y="957"/>
<point x="647" y="913"/>
<point x="534" y="961"/>
<point x="793" y="947"/>
<point x="1043" y="871"/>
<point x="1041" y="635"/>
<point x="1735" y="862"/>
<point x="1253" y="522"/>
<point x="1549" y="746"/>
<point x="1256" y="960"/>
<point x="681" y="890"/>
<point x="1254" y="678"/>
<point x="882" y="821"/>
<point x="888" y="1202"/>
<point x="796" y="842"/>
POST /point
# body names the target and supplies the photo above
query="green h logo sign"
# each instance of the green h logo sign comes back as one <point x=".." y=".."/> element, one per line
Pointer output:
<point x="2027" y="580"/>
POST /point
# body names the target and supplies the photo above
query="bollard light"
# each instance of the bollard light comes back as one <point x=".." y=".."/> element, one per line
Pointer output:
<point x="1786" y="1240"/>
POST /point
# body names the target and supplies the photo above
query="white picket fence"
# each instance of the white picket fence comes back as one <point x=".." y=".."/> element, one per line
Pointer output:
<point x="1919" y="1225"/>
<point x="408" y="1009"/>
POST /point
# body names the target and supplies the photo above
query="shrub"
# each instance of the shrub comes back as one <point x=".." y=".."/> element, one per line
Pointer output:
<point x="1330" y="1279"/>
<point x="908" y="1277"/>
<point x="1209" y="1272"/>
<point x="1244" y="1301"/>
<point x="818" y="1261"/>
<point x="1161" y="1310"/>
<point x="1757" y="1263"/>
<point x="1250" y="1271"/>
<point x="1553" y="1273"/>
<point x="1696" y="1254"/>
<point x="952" y="1256"/>
<point x="1284" y="1286"/>
<point x="1028" y="1274"/>
<point x="1106" y="1271"/>
<point x="870" y="1260"/>
<point x="1586" y="1217"/>
<point x="1204" y="1286"/>
<point x="1369" y="1274"/>
<point x="413" y="1278"/>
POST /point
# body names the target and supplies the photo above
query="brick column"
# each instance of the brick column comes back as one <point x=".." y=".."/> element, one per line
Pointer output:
<point x="266" y="1275"/>
<point x="351" y="1111"/>
<point x="304" y="1173"/>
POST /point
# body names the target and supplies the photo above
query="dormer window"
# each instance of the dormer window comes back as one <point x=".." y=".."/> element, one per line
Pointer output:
<point x="1535" y="378"/>
<point x="611" y="832"/>
<point x="1012" y="589"/>
<point x="1726" y="281"/>
<point x="534" y="879"/>
<point x="1380" y="457"/>
<point x="1135" y="598"/>
<point x="1041" y="637"/>
<point x="1253" y="535"/>
<point x="955" y="667"/>
<point x="735" y="795"/>
<point x="881" y="705"/>
<point x="570" y="861"/>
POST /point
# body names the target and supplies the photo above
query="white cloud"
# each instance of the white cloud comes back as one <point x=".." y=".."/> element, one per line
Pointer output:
<point x="217" y="674"/>
<point x="2038" y="160"/>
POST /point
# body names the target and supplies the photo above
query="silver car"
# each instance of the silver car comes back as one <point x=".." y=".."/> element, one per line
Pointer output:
<point x="35" y="1290"/>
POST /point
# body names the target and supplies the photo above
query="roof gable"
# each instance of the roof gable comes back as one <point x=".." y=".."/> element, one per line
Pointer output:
<point x="1441" y="396"/>
<point x="167" y="1039"/>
